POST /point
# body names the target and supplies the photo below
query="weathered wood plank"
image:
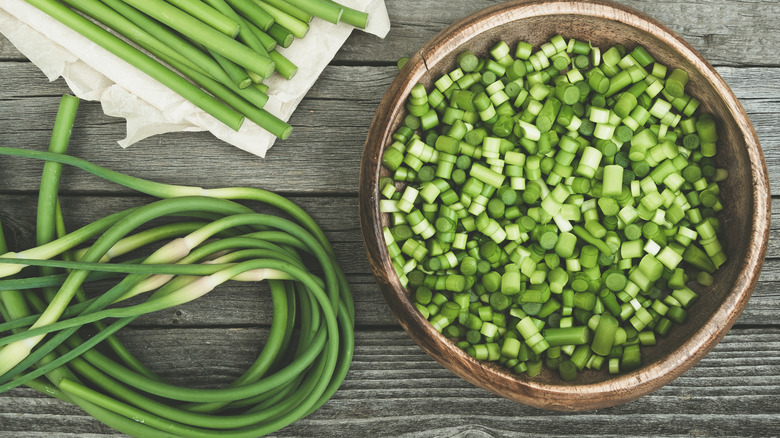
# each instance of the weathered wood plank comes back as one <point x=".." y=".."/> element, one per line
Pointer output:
<point x="322" y="155"/>
<point x="413" y="396"/>
<point x="242" y="304"/>
<point x="709" y="26"/>
<point x="18" y="215"/>
<point x="393" y="388"/>
<point x="712" y="27"/>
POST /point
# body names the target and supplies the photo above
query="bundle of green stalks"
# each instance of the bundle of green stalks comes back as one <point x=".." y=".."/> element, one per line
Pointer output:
<point x="214" y="53"/>
<point x="60" y="340"/>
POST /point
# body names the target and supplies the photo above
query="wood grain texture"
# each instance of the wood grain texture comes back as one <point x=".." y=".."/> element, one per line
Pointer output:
<point x="322" y="155"/>
<point x="715" y="28"/>
<point x="393" y="388"/>
<point x="240" y="304"/>
<point x="727" y="33"/>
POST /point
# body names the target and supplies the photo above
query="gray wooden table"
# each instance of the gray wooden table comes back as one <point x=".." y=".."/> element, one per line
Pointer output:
<point x="393" y="388"/>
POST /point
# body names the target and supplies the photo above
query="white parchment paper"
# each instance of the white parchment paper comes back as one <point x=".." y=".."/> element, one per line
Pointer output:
<point x="150" y="108"/>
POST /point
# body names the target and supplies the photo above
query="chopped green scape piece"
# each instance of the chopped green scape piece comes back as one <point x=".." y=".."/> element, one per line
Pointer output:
<point x="560" y="201"/>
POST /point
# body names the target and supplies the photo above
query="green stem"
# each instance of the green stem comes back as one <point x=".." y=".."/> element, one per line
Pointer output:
<point x="287" y="21"/>
<point x="324" y="9"/>
<point x="283" y="65"/>
<point x="245" y="33"/>
<point x="290" y="9"/>
<point x="141" y="61"/>
<point x="50" y="179"/>
<point x="13" y="301"/>
<point x="238" y="75"/>
<point x="151" y="35"/>
<point x="208" y="15"/>
<point x="253" y="13"/>
<point x="279" y="388"/>
<point x="583" y="234"/>
<point x="205" y="35"/>
<point x="353" y="17"/>
<point x="58" y="246"/>
<point x="124" y="268"/>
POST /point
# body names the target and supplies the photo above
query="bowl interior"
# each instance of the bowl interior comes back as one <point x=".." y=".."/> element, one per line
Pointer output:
<point x="719" y="306"/>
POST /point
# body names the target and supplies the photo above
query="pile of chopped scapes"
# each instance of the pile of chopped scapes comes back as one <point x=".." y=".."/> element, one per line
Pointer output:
<point x="216" y="53"/>
<point x="162" y="254"/>
<point x="550" y="206"/>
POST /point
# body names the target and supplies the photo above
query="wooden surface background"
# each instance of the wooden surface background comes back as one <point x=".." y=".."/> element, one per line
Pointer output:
<point x="393" y="388"/>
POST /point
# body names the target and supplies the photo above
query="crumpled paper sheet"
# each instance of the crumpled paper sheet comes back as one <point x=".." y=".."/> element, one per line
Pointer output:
<point x="150" y="108"/>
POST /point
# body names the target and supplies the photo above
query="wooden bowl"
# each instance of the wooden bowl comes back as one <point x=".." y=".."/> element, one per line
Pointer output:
<point x="745" y="195"/>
